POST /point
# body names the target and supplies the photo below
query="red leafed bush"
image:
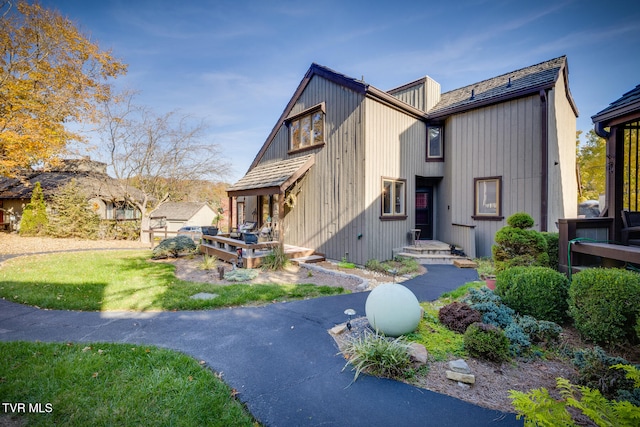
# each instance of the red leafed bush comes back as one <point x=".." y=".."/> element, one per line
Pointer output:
<point x="457" y="316"/>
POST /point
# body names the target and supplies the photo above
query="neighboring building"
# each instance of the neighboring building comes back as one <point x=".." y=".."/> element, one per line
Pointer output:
<point x="350" y="170"/>
<point x="105" y="194"/>
<point x="174" y="215"/>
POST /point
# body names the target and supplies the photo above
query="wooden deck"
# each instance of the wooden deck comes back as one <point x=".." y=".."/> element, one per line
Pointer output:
<point x="227" y="248"/>
<point x="607" y="251"/>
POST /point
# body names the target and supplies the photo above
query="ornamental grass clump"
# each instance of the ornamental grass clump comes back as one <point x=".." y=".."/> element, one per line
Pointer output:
<point x="378" y="355"/>
<point x="605" y="305"/>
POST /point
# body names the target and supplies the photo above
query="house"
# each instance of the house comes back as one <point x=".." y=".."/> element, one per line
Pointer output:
<point x="174" y="215"/>
<point x="105" y="194"/>
<point x="354" y="171"/>
<point x="597" y="241"/>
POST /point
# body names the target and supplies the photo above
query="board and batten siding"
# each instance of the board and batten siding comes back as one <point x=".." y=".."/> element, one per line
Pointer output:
<point x="422" y="94"/>
<point x="498" y="140"/>
<point x="328" y="214"/>
<point x="395" y="148"/>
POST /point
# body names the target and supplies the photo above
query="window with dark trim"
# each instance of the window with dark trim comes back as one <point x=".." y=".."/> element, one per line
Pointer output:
<point x="394" y="199"/>
<point x="435" y="144"/>
<point x="488" y="198"/>
<point x="306" y="129"/>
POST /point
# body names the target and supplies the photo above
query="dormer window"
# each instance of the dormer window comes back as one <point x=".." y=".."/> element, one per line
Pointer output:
<point x="306" y="129"/>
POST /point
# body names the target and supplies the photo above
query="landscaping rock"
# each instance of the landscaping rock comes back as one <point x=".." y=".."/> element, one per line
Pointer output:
<point x="338" y="329"/>
<point x="459" y="366"/>
<point x="418" y="353"/>
<point x="463" y="378"/>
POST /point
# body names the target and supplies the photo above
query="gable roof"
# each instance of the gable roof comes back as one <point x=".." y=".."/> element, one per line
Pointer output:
<point x="524" y="82"/>
<point x="626" y="104"/>
<point x="273" y="177"/>
<point x="180" y="211"/>
<point x="514" y="84"/>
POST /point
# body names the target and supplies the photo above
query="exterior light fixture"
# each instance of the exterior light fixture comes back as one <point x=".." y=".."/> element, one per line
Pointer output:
<point x="349" y="312"/>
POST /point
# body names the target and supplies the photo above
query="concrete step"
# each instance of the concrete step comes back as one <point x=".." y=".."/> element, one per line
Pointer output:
<point x="431" y="258"/>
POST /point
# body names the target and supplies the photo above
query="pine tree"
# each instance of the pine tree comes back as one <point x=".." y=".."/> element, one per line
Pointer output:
<point x="34" y="216"/>
<point x="71" y="215"/>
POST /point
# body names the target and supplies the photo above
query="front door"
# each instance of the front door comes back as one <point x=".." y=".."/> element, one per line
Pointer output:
<point x="424" y="212"/>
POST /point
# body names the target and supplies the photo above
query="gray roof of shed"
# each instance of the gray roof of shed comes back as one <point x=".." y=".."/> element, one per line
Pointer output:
<point x="273" y="175"/>
<point x="177" y="210"/>
<point x="510" y="85"/>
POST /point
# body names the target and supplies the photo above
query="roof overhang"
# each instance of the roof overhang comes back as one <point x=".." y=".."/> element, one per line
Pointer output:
<point x="272" y="178"/>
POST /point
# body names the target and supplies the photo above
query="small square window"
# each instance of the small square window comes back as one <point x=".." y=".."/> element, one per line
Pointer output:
<point x="488" y="198"/>
<point x="435" y="147"/>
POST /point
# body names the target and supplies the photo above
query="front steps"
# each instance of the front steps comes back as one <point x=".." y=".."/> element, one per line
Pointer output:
<point x="431" y="252"/>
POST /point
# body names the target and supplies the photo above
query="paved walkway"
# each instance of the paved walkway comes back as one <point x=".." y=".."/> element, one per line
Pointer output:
<point x="279" y="357"/>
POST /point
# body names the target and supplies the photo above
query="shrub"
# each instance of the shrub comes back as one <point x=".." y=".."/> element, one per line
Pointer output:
<point x="111" y="229"/>
<point x="486" y="342"/>
<point x="174" y="246"/>
<point x="595" y="371"/>
<point x="241" y="275"/>
<point x="520" y="220"/>
<point x="71" y="215"/>
<point x="553" y="244"/>
<point x="605" y="305"/>
<point x="518" y="245"/>
<point x="34" y="216"/>
<point x="537" y="291"/>
<point x="457" y="316"/>
<point x="400" y="264"/>
<point x="521" y="331"/>
<point x="378" y="355"/>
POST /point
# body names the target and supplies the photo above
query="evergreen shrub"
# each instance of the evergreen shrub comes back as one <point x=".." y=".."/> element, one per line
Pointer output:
<point x="537" y="291"/>
<point x="605" y="305"/>
<point x="553" y="244"/>
<point x="518" y="245"/>
<point x="174" y="246"/>
<point x="71" y="215"/>
<point x="34" y="216"/>
<point x="595" y="371"/>
<point x="487" y="342"/>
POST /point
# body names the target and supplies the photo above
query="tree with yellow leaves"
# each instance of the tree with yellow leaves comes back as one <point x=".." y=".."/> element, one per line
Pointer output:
<point x="50" y="75"/>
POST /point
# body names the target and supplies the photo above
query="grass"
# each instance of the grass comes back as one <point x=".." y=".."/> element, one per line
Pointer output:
<point x="126" y="280"/>
<point x="401" y="265"/>
<point x="115" y="384"/>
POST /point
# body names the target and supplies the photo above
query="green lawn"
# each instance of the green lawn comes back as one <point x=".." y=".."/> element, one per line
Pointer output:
<point x="114" y="385"/>
<point x="127" y="280"/>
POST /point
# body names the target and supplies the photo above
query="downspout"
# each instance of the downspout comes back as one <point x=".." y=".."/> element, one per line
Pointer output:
<point x="544" y="163"/>
<point x="599" y="128"/>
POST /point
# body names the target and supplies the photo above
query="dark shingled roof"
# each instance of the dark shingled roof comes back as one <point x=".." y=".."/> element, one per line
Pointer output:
<point x="181" y="211"/>
<point x="510" y="85"/>
<point x="273" y="175"/>
<point x="627" y="103"/>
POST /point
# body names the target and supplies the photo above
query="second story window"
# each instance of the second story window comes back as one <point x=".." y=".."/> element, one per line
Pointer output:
<point x="435" y="144"/>
<point x="306" y="129"/>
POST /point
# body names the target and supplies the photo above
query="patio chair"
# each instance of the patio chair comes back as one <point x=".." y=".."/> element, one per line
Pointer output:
<point x="630" y="232"/>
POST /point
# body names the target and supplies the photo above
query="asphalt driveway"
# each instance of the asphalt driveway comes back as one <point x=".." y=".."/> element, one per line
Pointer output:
<point x="280" y="357"/>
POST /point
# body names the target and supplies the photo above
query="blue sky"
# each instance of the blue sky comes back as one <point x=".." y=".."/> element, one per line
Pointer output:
<point x="237" y="63"/>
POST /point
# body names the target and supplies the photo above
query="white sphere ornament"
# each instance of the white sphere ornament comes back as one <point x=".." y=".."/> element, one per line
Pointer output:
<point x="393" y="310"/>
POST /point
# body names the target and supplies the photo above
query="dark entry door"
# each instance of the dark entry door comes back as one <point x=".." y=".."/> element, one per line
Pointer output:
<point x="424" y="212"/>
